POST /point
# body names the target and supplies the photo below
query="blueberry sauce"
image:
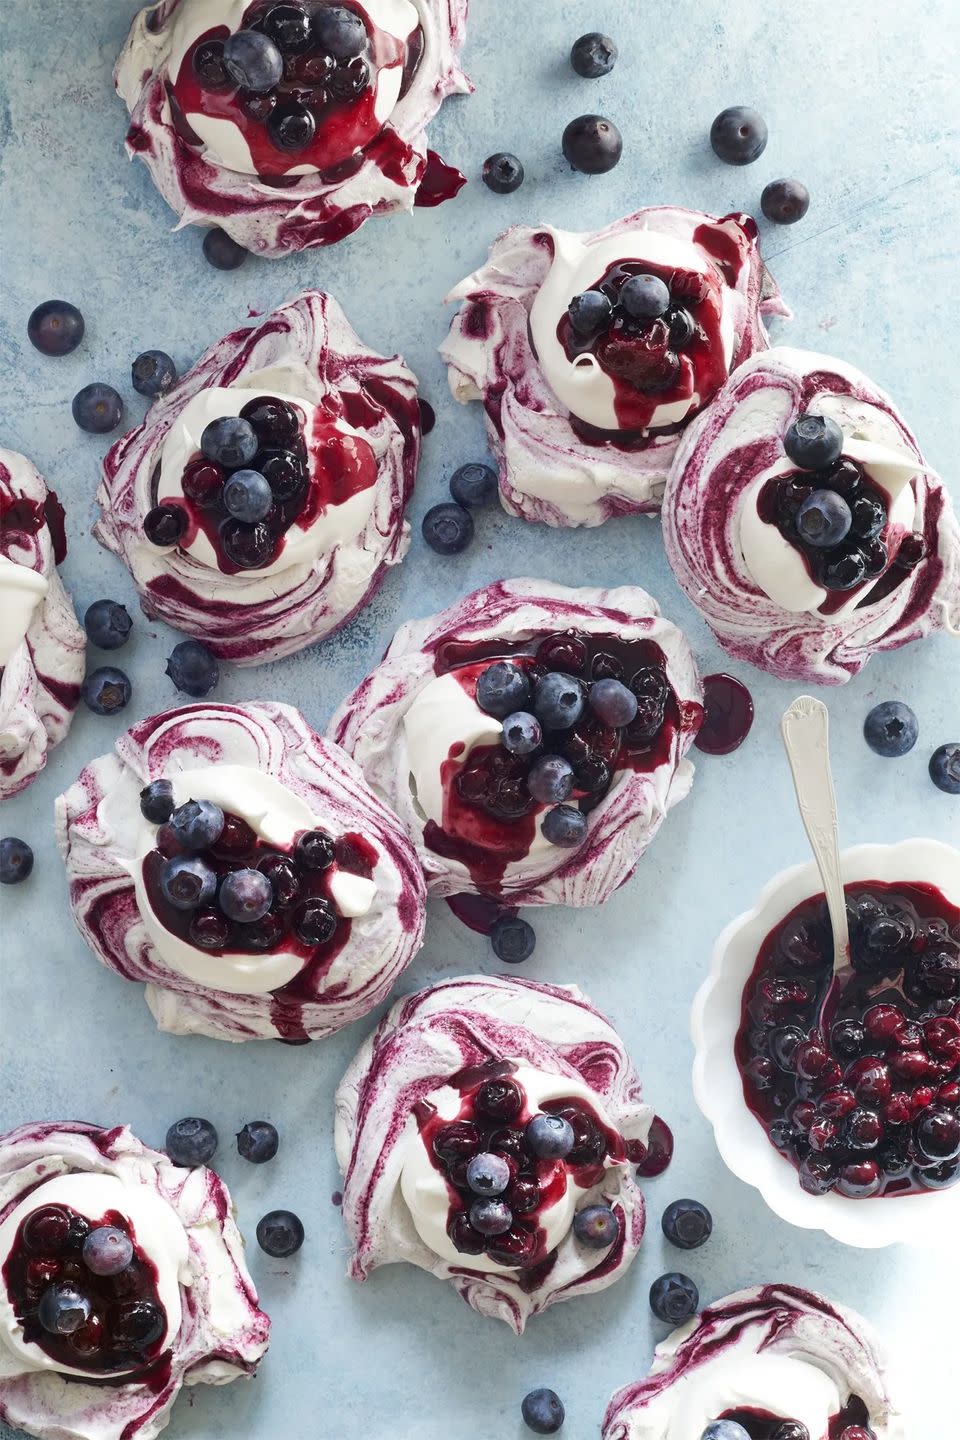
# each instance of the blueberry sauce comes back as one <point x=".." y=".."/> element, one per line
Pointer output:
<point x="428" y="416"/>
<point x="479" y="913"/>
<point x="658" y="1152"/>
<point x="20" y="516"/>
<point x="727" y="715"/>
<point x="868" y="1103"/>
<point x="763" y="1425"/>
<point x="438" y="183"/>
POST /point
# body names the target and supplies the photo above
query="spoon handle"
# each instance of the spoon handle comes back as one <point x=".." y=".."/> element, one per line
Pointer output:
<point x="805" y="728"/>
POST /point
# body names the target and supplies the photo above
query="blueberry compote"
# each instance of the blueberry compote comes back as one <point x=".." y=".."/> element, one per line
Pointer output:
<point x="308" y="468"/>
<point x="851" y="1423"/>
<point x="124" y="1322"/>
<point x="867" y="1102"/>
<point x="322" y="112"/>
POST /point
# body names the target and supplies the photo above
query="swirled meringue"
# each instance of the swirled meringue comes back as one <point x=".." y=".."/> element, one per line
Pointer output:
<point x="184" y="1223"/>
<point x="565" y="457"/>
<point x="263" y="763"/>
<point x="749" y="583"/>
<point x="431" y="1037"/>
<point x="42" y="648"/>
<point x="328" y="567"/>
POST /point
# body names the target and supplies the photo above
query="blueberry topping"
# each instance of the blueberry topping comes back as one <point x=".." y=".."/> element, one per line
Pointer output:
<point x="107" y="1250"/>
<point x="513" y="939"/>
<point x="725" y="1430"/>
<point x="596" y="1227"/>
<point x="447" y="528"/>
<point x="473" y="486"/>
<point x="245" y="896"/>
<point x="191" y="1142"/>
<point x="813" y="442"/>
<point x="107" y="624"/>
<point x="550" y="779"/>
<point x="258" y="1142"/>
<point x="592" y="144"/>
<point x="252" y="60"/>
<point x="153" y="373"/>
<point x="738" y="135"/>
<point x="558" y="702"/>
<point x="674" y="1298"/>
<point x="823" y="519"/>
<point x="316" y="921"/>
<point x="197" y="825"/>
<point x="502" y="689"/>
<point x="785" y="201"/>
<point x="62" y="1310"/>
<point x="891" y="729"/>
<point x="16" y="860"/>
<point x="687" y="1224"/>
<point x="156" y="801"/>
<point x="491" y="1217"/>
<point x="945" y="768"/>
<point x="612" y="702"/>
<point x="550" y="1137"/>
<point x="106" y="690"/>
<point x="55" y="327"/>
<point x="139" y="1325"/>
<point x="339" y="32"/>
<point x="208" y="66"/>
<point x="502" y="173"/>
<point x="193" y="669"/>
<point x="522" y="734"/>
<point x="280" y="1233"/>
<point x="542" y="1411"/>
<point x="187" y="882"/>
<point x="315" y="850"/>
<point x="868" y="517"/>
<point x="165" y="525"/>
<point x="590" y="312"/>
<point x="208" y="930"/>
<point x="488" y="1174"/>
<point x="288" y="26"/>
<point x="564" y="826"/>
<point x="593" y="55"/>
<point x="844" y="572"/>
<point x="284" y="472"/>
<point x="222" y="251"/>
<point x="796" y="1430"/>
<point x="644" y="297"/>
<point x="230" y="441"/>
<point x="248" y="546"/>
<point x="97" y="408"/>
<point x="247" y="496"/>
<point x="291" y="127"/>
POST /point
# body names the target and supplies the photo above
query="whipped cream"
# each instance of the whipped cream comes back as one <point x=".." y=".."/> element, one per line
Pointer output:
<point x="21" y="591"/>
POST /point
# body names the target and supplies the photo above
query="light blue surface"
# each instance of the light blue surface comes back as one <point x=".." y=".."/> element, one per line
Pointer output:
<point x="862" y="105"/>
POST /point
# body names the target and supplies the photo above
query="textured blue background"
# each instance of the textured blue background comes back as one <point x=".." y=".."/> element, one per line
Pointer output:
<point x="861" y="103"/>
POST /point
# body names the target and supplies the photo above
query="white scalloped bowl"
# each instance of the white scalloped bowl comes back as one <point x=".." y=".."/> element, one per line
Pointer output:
<point x="929" y="1219"/>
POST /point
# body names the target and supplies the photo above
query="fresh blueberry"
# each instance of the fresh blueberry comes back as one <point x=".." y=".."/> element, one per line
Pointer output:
<point x="193" y="669"/>
<point x="593" y="55"/>
<point x="316" y="921"/>
<point x="785" y="201"/>
<point x="645" y="297"/>
<point x="221" y="251"/>
<point x="107" y="1250"/>
<point x="289" y="28"/>
<point x="473" y="486"/>
<point x="502" y="173"/>
<point x="339" y="32"/>
<point x="738" y="135"/>
<point x="491" y="1217"/>
<point x="542" y="1411"/>
<point x="814" y="441"/>
<point x="187" y="882"/>
<point x="592" y="144"/>
<point x="16" y="860"/>
<point x="291" y="127"/>
<point x="674" y="1298"/>
<point x="191" y="1142"/>
<point x="315" y="850"/>
<point x="612" y="702"/>
<point x="258" y="1142"/>
<point x="62" y="1310"/>
<point x="945" y="768"/>
<point x="253" y="61"/>
<point x="245" y="896"/>
<point x="558" y="702"/>
<point x="97" y="408"/>
<point x="247" y="496"/>
<point x="165" y="525"/>
<point x="550" y="1137"/>
<point x="823" y="519"/>
<point x="197" y="825"/>
<point x="280" y="1233"/>
<point x="564" y="826"/>
<point x="513" y="939"/>
<point x="107" y="624"/>
<point x="590" y="312"/>
<point x="596" y="1227"/>
<point x="230" y="441"/>
<point x="725" y="1430"/>
<point x="55" y="327"/>
<point x="488" y="1174"/>
<point x="521" y="733"/>
<point x="550" y="779"/>
<point x="891" y="729"/>
<point x="687" y="1224"/>
<point x="156" y="801"/>
<point x="106" y="690"/>
<point x="502" y="689"/>
<point x="447" y="528"/>
<point x="153" y="373"/>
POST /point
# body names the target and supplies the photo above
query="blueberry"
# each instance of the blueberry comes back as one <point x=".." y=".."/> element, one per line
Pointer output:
<point x="245" y="896"/>
<point x="592" y="144"/>
<point x="674" y="1298"/>
<point x="138" y="1325"/>
<point x="315" y="850"/>
<point x="593" y="55"/>
<point x="687" y="1224"/>
<point x="248" y="546"/>
<point x="564" y="826"/>
<point x="550" y="1137"/>
<point x="945" y="768"/>
<point x="284" y="472"/>
<point x="491" y="1217"/>
<point x="230" y="441"/>
<point x="542" y="1411"/>
<point x="247" y="496"/>
<point x="191" y="1142"/>
<point x="97" y="408"/>
<point x="513" y="939"/>
<point x="550" y="779"/>
<point x="590" y="312"/>
<point x="221" y="251"/>
<point x="502" y="689"/>
<point x="62" y="1310"/>
<point x="521" y="733"/>
<point x="596" y="1227"/>
<point x="785" y="201"/>
<point x="16" y="860"/>
<point x="488" y="1174"/>
<point x="612" y="702"/>
<point x="447" y="528"/>
<point x="107" y="1250"/>
<point x="106" y="690"/>
<point x="280" y="1233"/>
<point x="738" y="135"/>
<point x="814" y="441"/>
<point x="891" y="729"/>
<point x="316" y="921"/>
<point x="153" y="373"/>
<point x="645" y="297"/>
<point x="252" y="60"/>
<point x="845" y="571"/>
<point x="823" y="519"/>
<point x="107" y="624"/>
<point x="869" y="515"/>
<point x="725" y="1430"/>
<point x="473" y="486"/>
<point x="165" y="525"/>
<point x="193" y="669"/>
<point x="339" y="32"/>
<point x="289" y="28"/>
<point x="197" y="825"/>
<point x="502" y="173"/>
<point x="258" y="1142"/>
<point x="55" y="327"/>
<point x="558" y="702"/>
<point x="291" y="127"/>
<point x="796" y="1430"/>
<point x="156" y="802"/>
<point x="187" y="882"/>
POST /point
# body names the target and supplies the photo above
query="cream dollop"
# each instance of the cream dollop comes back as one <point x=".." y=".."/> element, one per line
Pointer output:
<point x="21" y="591"/>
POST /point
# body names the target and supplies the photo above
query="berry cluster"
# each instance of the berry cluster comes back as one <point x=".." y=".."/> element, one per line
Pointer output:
<point x="761" y="1425"/>
<point x="635" y="322"/>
